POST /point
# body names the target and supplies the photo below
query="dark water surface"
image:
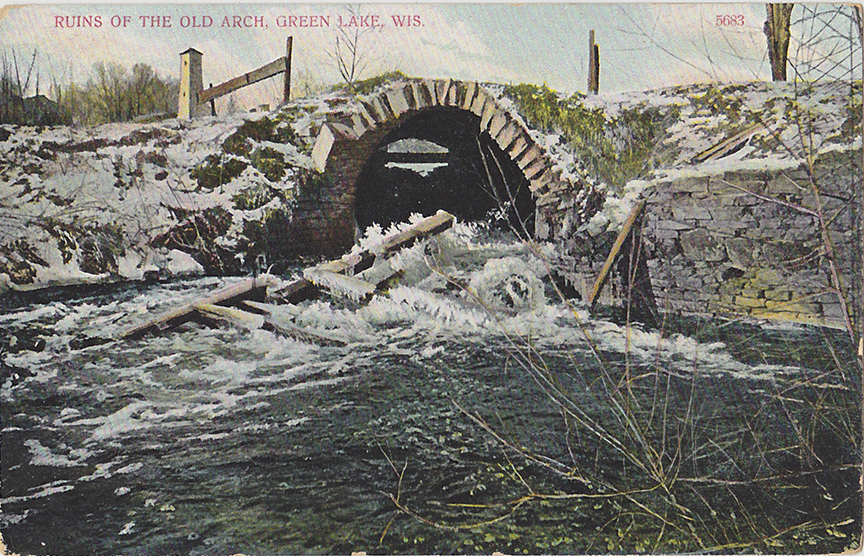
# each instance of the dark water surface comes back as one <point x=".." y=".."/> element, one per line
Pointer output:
<point x="438" y="428"/>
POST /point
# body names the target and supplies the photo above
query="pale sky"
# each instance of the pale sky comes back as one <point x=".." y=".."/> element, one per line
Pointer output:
<point x="642" y="46"/>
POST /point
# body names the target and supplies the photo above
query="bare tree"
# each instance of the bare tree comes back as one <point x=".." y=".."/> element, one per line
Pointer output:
<point x="349" y="49"/>
<point x="107" y="84"/>
<point x="777" y="31"/>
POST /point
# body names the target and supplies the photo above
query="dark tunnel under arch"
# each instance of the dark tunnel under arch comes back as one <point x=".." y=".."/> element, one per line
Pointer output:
<point x="479" y="181"/>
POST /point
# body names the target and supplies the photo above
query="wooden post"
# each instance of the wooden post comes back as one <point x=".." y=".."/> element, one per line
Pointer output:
<point x="626" y="229"/>
<point x="289" y="46"/>
<point x="212" y="104"/>
<point x="593" y="64"/>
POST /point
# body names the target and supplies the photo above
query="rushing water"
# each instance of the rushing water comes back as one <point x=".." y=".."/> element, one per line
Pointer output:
<point x="436" y="416"/>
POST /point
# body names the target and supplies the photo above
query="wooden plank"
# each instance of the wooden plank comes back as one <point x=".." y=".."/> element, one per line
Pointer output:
<point x="295" y="292"/>
<point x="432" y="225"/>
<point x="329" y="275"/>
<point x="593" y="65"/>
<point x="251" y="321"/>
<point x="354" y="263"/>
<point x="351" y="263"/>
<point x="269" y="70"/>
<point x="286" y="92"/>
<point x="231" y="315"/>
<point x="613" y="254"/>
<point x="303" y="335"/>
<point x="723" y="147"/>
<point x="340" y="284"/>
<point x="244" y="289"/>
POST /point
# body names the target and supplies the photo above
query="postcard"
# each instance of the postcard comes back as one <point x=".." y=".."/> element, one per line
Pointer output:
<point x="431" y="278"/>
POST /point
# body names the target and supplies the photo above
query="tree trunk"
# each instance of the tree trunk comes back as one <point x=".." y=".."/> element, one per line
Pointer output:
<point x="777" y="31"/>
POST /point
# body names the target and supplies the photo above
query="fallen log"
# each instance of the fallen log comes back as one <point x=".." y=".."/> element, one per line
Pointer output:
<point x="253" y="321"/>
<point x="247" y="289"/>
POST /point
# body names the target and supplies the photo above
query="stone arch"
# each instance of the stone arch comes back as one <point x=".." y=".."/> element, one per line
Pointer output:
<point x="462" y="171"/>
<point x="346" y="142"/>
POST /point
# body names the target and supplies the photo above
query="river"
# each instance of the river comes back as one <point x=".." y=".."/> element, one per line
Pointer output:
<point x="472" y="409"/>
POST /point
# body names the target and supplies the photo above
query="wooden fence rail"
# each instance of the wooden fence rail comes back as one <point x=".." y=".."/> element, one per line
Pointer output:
<point x="195" y="96"/>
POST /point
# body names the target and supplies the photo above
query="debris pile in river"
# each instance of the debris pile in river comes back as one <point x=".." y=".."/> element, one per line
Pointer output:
<point x="356" y="275"/>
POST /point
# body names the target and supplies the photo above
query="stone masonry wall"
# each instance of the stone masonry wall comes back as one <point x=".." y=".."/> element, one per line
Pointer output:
<point x="347" y="139"/>
<point x="736" y="244"/>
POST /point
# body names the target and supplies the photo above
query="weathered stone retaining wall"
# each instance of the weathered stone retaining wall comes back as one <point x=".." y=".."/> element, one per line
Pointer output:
<point x="742" y="243"/>
<point x="750" y="243"/>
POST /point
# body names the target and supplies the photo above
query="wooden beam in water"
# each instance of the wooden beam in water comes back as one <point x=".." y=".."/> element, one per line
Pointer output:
<point x="252" y="321"/>
<point x="354" y="263"/>
<point x="253" y="287"/>
<point x="626" y="230"/>
<point x="432" y="225"/>
<point x="340" y="284"/>
<point x="303" y="335"/>
<point x="238" y="317"/>
<point x="327" y="275"/>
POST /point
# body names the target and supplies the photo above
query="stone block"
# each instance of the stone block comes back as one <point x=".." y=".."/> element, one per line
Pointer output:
<point x="519" y="145"/>
<point x="778" y="295"/>
<point x="700" y="244"/>
<point x="529" y="157"/>
<point x="397" y="101"/>
<point x="489" y="112"/>
<point x="321" y="150"/>
<point x="690" y="212"/>
<point x="442" y="88"/>
<point x="363" y="111"/>
<point x="507" y="134"/>
<point x="375" y="108"/>
<point x="470" y="92"/>
<point x="535" y="169"/>
<point x="833" y="311"/>
<point x="498" y="121"/>
<point x="672" y="225"/>
<point x="480" y="101"/>
<point x="746" y="200"/>
<point x="783" y="184"/>
<point x="663" y="239"/>
<point x="743" y="252"/>
<point x="359" y="124"/>
<point x="753" y="293"/>
<point x="767" y="278"/>
<point x="748" y="302"/>
<point x="420" y="95"/>
<point x="454" y="94"/>
<point x="791" y="307"/>
<point x="727" y="215"/>
<point x="427" y="92"/>
<point x="687" y="185"/>
<point x="692" y="283"/>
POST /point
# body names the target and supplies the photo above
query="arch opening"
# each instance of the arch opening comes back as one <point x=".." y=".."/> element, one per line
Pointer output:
<point x="438" y="158"/>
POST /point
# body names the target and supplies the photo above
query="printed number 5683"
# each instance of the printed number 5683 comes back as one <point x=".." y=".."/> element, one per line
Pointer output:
<point x="730" y="20"/>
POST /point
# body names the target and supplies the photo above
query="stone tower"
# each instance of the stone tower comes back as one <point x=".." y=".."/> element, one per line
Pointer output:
<point x="191" y="83"/>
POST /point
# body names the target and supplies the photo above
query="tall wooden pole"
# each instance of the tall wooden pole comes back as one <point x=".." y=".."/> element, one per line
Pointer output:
<point x="593" y="64"/>
<point x="289" y="46"/>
